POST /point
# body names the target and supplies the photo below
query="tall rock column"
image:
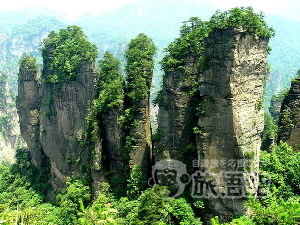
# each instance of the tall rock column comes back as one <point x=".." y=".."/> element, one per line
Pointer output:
<point x="68" y="89"/>
<point x="139" y="70"/>
<point x="28" y="105"/>
<point x="232" y="120"/>
<point x="64" y="108"/>
<point x="177" y="115"/>
<point x="289" y="119"/>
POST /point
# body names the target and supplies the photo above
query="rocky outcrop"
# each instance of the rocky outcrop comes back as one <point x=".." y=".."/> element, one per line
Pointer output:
<point x="141" y="152"/>
<point x="28" y="105"/>
<point x="10" y="139"/>
<point x="228" y="122"/>
<point x="275" y="106"/>
<point x="176" y="115"/>
<point x="288" y="124"/>
<point x="64" y="108"/>
<point x="108" y="157"/>
<point x="232" y="93"/>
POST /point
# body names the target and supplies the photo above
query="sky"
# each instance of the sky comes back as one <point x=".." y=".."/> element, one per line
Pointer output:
<point x="74" y="9"/>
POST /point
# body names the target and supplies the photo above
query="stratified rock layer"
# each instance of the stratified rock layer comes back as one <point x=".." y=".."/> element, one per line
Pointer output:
<point x="141" y="153"/>
<point x="289" y="120"/>
<point x="177" y="114"/>
<point x="228" y="122"/>
<point x="28" y="105"/>
<point x="232" y="93"/>
<point x="64" y="108"/>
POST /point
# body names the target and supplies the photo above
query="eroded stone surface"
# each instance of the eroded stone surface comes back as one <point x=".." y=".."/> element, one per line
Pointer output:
<point x="288" y="124"/>
<point x="230" y="118"/>
<point x="28" y="105"/>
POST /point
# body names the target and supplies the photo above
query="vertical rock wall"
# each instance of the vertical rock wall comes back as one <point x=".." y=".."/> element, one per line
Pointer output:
<point x="289" y="120"/>
<point x="28" y="105"/>
<point x="229" y="117"/>
<point x="141" y="153"/>
<point x="64" y="107"/>
<point x="177" y="114"/>
<point x="232" y="93"/>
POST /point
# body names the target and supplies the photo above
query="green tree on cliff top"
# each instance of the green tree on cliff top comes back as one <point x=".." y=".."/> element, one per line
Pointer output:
<point x="71" y="50"/>
<point x="139" y="66"/>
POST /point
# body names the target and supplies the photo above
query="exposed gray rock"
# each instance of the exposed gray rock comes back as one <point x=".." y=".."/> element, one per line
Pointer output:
<point x="232" y="122"/>
<point x="230" y="116"/>
<point x="28" y="105"/>
<point x="288" y="124"/>
<point x="64" y="108"/>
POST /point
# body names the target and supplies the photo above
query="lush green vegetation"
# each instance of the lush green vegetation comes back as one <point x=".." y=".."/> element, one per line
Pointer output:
<point x="242" y="17"/>
<point x="110" y="92"/>
<point x="22" y="201"/>
<point x="28" y="62"/>
<point x="190" y="43"/>
<point x="71" y="49"/>
<point x="139" y="67"/>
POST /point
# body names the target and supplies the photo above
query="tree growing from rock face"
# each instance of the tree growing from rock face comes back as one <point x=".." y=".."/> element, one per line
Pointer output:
<point x="71" y="50"/>
<point x="136" y="122"/>
<point x="139" y="67"/>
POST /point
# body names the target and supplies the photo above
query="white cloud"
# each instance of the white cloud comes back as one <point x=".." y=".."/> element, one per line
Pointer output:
<point x="72" y="8"/>
<point x="274" y="7"/>
<point x="287" y="8"/>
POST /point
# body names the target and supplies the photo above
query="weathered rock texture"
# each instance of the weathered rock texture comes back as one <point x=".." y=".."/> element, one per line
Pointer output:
<point x="64" y="108"/>
<point x="53" y="118"/>
<point x="28" y="105"/>
<point x="289" y="120"/>
<point x="232" y="92"/>
<point x="275" y="106"/>
<point x="112" y="149"/>
<point x="114" y="145"/>
<point x="10" y="139"/>
<point x="177" y="114"/>
<point x="230" y="116"/>
<point x="141" y="153"/>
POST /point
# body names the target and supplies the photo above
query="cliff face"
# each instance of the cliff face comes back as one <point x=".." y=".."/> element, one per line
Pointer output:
<point x="64" y="107"/>
<point x="229" y="117"/>
<point x="114" y="146"/>
<point x="288" y="124"/>
<point x="275" y="105"/>
<point x="177" y="115"/>
<point x="232" y="92"/>
<point x="28" y="105"/>
<point x="141" y="153"/>
<point x="10" y="138"/>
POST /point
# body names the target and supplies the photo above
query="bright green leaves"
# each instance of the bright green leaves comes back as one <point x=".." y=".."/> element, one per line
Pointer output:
<point x="110" y="83"/>
<point x="283" y="165"/>
<point x="190" y="43"/>
<point x="245" y="17"/>
<point x="28" y="62"/>
<point x="139" y="66"/>
<point x="71" y="49"/>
